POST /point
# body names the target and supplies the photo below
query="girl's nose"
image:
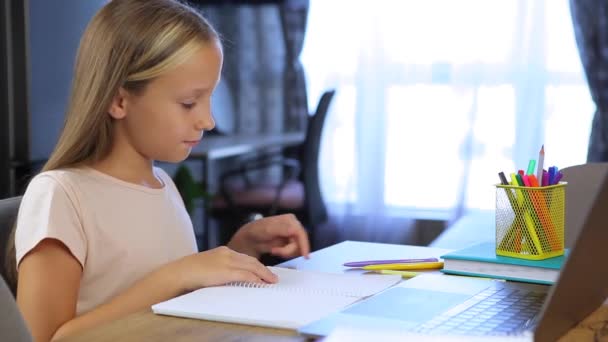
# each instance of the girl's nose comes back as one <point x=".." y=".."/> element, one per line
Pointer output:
<point x="204" y="120"/>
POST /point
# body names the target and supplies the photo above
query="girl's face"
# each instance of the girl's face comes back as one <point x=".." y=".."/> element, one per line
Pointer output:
<point x="167" y="119"/>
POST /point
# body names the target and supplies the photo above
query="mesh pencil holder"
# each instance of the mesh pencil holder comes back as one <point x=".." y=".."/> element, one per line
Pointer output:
<point x="530" y="221"/>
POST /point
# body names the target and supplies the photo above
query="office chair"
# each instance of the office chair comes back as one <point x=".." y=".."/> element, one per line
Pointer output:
<point x="298" y="191"/>
<point x="12" y="325"/>
<point x="8" y="214"/>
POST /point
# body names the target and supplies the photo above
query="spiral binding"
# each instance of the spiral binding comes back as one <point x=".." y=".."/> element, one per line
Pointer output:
<point x="250" y="285"/>
<point x="333" y="292"/>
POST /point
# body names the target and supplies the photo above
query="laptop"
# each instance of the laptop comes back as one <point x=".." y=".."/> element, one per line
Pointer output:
<point x="445" y="305"/>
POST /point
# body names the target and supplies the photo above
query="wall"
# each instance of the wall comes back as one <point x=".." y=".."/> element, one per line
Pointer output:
<point x="55" y="28"/>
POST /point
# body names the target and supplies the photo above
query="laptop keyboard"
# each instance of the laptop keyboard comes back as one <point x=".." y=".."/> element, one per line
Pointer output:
<point x="490" y="312"/>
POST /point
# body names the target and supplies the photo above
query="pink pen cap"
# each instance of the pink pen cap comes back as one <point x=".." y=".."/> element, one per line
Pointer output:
<point x="526" y="180"/>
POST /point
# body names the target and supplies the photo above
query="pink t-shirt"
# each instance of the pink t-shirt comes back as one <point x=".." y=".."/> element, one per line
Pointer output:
<point x="118" y="231"/>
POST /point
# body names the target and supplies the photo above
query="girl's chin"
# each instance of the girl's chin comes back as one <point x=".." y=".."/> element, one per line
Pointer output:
<point x="175" y="157"/>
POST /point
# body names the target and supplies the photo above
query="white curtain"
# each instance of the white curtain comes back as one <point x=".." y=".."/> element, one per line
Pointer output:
<point x="435" y="97"/>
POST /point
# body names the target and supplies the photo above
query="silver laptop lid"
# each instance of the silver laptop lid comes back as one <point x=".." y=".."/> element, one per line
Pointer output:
<point x="583" y="282"/>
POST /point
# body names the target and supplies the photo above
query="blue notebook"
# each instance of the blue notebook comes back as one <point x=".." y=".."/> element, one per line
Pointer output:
<point x="480" y="260"/>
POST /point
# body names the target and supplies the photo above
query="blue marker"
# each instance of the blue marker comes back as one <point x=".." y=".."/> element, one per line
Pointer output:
<point x="552" y="170"/>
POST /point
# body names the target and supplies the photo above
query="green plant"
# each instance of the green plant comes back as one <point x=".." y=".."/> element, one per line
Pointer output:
<point x="189" y="189"/>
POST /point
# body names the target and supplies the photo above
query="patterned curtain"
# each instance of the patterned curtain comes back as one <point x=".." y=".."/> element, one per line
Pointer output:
<point x="263" y="88"/>
<point x="590" y="19"/>
<point x="252" y="86"/>
<point x="293" y="19"/>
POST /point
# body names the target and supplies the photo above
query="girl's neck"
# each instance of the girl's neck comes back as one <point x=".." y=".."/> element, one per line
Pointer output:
<point x="129" y="166"/>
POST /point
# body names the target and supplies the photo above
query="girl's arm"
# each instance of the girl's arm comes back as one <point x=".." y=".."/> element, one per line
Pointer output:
<point x="49" y="281"/>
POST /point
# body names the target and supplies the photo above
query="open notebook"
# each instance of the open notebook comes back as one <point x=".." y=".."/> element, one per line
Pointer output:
<point x="299" y="298"/>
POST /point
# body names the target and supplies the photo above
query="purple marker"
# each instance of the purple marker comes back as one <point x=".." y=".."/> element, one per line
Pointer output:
<point x="558" y="177"/>
<point x="381" y="262"/>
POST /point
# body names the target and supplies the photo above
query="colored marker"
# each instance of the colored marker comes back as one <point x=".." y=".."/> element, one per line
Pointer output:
<point x="552" y="171"/>
<point x="413" y="266"/>
<point x="533" y="181"/>
<point x="403" y="274"/>
<point x="531" y="165"/>
<point x="391" y="261"/>
<point x="526" y="180"/>
<point x="558" y="177"/>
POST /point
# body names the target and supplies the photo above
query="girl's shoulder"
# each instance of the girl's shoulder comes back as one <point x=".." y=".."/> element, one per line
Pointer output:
<point x="63" y="177"/>
<point x="65" y="181"/>
<point x="78" y="179"/>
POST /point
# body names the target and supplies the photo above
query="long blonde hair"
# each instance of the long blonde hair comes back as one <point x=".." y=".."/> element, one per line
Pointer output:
<point x="127" y="44"/>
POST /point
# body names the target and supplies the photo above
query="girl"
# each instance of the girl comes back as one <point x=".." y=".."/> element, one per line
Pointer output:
<point x="101" y="232"/>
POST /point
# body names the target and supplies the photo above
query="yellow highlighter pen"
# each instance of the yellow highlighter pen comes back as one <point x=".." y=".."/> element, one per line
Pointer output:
<point x="411" y="266"/>
<point x="403" y="274"/>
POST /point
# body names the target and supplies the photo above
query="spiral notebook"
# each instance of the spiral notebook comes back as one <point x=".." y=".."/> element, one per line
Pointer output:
<point x="299" y="298"/>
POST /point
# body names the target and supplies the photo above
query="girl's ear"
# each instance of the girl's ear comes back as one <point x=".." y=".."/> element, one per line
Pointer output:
<point x="118" y="106"/>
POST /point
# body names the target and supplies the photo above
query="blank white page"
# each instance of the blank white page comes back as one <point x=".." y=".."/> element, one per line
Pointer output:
<point x="254" y="306"/>
<point x="299" y="298"/>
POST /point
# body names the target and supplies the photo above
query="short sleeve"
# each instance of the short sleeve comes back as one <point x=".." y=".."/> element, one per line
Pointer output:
<point x="47" y="211"/>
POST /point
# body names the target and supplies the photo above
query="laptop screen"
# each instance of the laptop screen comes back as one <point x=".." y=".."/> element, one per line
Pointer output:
<point x="583" y="282"/>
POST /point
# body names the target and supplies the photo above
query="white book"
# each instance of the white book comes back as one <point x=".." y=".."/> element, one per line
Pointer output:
<point x="299" y="298"/>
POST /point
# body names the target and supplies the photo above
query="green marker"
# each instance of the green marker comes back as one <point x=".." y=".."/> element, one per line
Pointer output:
<point x="531" y="167"/>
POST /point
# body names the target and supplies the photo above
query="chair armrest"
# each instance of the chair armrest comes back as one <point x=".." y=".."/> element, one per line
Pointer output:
<point x="292" y="170"/>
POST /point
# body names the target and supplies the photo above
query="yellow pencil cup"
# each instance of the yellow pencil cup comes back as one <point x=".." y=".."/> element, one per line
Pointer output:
<point x="530" y="221"/>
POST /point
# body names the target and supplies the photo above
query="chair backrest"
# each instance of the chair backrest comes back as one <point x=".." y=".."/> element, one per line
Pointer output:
<point x="583" y="181"/>
<point x="313" y="201"/>
<point x="12" y="325"/>
<point x="8" y="213"/>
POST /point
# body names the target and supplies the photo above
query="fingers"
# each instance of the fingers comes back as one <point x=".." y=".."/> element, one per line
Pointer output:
<point x="255" y="268"/>
<point x="289" y="227"/>
<point x="286" y="251"/>
<point x="247" y="277"/>
<point x="301" y="237"/>
<point x="218" y="266"/>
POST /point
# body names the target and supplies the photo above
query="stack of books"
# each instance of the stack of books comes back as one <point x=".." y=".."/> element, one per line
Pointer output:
<point x="480" y="260"/>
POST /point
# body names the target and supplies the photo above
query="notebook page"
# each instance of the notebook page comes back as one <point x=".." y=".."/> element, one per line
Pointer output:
<point x="350" y="285"/>
<point x="254" y="306"/>
<point x="299" y="298"/>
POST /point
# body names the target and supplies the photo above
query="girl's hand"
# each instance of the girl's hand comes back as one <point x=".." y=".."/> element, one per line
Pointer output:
<point x="281" y="235"/>
<point x="219" y="266"/>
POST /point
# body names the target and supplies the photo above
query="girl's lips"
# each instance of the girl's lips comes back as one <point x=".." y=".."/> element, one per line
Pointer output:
<point x="192" y="143"/>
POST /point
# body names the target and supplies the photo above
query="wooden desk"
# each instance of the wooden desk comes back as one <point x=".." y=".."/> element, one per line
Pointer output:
<point x="216" y="147"/>
<point x="146" y="326"/>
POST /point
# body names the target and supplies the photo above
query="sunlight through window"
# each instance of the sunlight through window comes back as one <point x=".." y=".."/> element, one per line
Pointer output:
<point x="449" y="92"/>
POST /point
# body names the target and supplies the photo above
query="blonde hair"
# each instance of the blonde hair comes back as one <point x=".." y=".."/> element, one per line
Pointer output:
<point x="127" y="44"/>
